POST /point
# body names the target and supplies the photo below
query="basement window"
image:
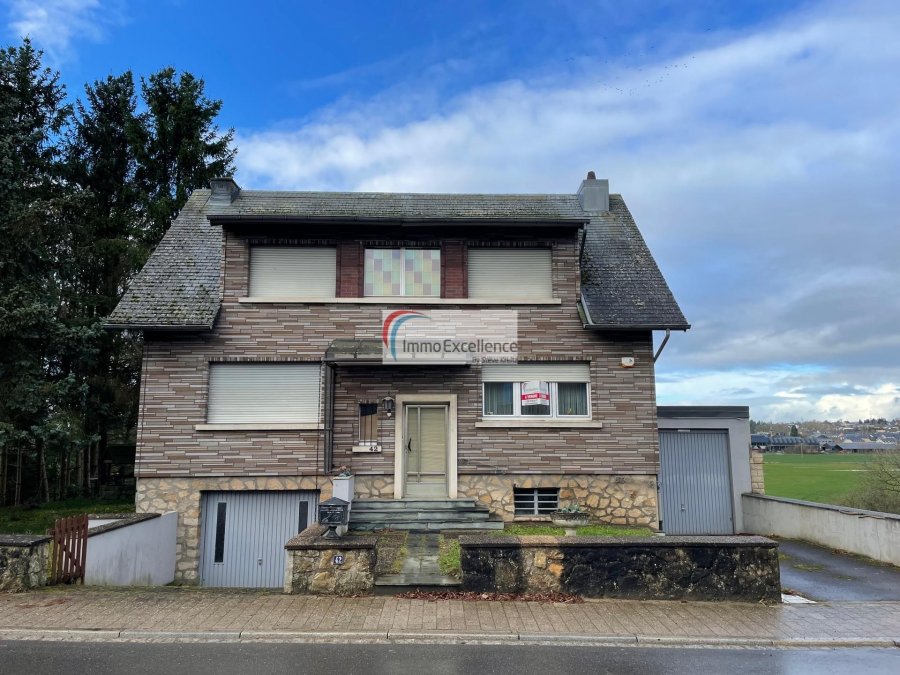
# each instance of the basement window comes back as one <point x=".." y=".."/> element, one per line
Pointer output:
<point x="535" y="501"/>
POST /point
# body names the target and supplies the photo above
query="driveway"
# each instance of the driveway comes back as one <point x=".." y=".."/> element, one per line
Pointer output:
<point x="822" y="574"/>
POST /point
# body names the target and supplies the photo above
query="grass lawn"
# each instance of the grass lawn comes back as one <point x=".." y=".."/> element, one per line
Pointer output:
<point x="585" y="531"/>
<point x="816" y="478"/>
<point x="21" y="520"/>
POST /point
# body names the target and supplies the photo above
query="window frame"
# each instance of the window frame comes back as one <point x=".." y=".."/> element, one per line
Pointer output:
<point x="403" y="250"/>
<point x="360" y="427"/>
<point x="534" y="494"/>
<point x="554" y="402"/>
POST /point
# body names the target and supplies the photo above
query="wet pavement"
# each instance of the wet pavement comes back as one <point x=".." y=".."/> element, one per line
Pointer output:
<point x="824" y="575"/>
<point x="421" y="567"/>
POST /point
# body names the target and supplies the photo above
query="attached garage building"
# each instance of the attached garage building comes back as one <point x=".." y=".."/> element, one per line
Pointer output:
<point x="704" y="456"/>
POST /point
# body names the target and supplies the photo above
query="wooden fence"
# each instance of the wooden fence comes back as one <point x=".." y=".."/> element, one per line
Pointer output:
<point x="69" y="550"/>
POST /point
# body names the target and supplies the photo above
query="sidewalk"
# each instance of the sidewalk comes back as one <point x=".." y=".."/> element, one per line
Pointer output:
<point x="188" y="613"/>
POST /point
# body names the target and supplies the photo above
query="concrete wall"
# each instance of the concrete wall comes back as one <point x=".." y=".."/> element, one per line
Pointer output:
<point x="869" y="533"/>
<point x="132" y="552"/>
<point x="738" y="429"/>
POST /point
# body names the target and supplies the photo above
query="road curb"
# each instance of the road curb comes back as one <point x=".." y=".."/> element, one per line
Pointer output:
<point x="443" y="637"/>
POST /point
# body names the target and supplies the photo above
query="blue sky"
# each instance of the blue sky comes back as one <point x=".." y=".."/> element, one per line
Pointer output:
<point x="756" y="143"/>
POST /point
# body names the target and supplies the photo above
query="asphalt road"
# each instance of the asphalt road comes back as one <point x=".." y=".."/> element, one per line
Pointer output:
<point x="99" y="658"/>
<point x="821" y="574"/>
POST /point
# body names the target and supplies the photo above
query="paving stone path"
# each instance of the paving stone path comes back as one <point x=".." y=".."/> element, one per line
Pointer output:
<point x="421" y="567"/>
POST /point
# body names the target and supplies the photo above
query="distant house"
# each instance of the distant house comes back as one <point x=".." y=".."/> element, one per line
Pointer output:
<point x="863" y="447"/>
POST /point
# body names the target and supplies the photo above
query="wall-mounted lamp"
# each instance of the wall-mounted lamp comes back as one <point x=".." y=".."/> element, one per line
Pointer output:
<point x="387" y="403"/>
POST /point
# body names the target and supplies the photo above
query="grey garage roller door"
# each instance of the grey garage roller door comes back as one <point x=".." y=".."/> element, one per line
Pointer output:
<point x="244" y="532"/>
<point x="695" y="482"/>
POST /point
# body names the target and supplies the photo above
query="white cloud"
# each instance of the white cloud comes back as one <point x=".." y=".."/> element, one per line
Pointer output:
<point x="760" y="166"/>
<point x="54" y="24"/>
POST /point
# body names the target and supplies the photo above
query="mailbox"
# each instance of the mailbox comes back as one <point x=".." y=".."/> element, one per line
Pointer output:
<point x="333" y="513"/>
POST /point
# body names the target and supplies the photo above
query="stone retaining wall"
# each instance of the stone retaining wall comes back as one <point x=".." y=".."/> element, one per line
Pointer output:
<point x="318" y="566"/>
<point x="648" y="568"/>
<point x="24" y="561"/>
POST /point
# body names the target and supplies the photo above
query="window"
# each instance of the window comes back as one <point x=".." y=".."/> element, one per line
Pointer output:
<point x="413" y="272"/>
<point x="505" y="273"/>
<point x="241" y="393"/>
<point x="535" y="501"/>
<point x="559" y="390"/>
<point x="368" y="423"/>
<point x="293" y="271"/>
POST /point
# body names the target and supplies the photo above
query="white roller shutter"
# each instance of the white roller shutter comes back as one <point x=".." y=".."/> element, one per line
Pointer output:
<point x="293" y="271"/>
<point x="241" y="393"/>
<point x="544" y="372"/>
<point x="510" y="273"/>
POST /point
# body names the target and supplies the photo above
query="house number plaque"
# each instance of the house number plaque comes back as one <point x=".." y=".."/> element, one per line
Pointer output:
<point x="338" y="560"/>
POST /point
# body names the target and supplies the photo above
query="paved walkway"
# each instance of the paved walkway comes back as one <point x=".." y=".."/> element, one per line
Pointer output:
<point x="269" y="615"/>
<point x="421" y="567"/>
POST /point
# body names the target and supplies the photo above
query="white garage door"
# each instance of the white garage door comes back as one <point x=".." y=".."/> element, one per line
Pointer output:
<point x="695" y="482"/>
<point x="243" y="535"/>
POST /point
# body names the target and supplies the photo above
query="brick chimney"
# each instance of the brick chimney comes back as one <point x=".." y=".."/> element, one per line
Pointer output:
<point x="594" y="194"/>
<point x="224" y="190"/>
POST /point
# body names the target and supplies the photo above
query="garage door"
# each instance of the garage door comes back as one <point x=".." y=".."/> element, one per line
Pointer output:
<point x="695" y="482"/>
<point x="243" y="535"/>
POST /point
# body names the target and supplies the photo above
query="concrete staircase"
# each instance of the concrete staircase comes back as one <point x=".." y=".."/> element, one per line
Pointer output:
<point x="421" y="515"/>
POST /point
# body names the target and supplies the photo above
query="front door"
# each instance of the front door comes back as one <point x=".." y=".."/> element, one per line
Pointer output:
<point x="426" y="451"/>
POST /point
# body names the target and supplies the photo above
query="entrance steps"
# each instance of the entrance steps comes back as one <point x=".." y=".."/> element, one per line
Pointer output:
<point x="423" y="515"/>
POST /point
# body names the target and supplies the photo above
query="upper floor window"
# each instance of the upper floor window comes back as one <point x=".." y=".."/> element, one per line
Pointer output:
<point x="293" y="271"/>
<point x="537" y="390"/>
<point x="397" y="272"/>
<point x="508" y="273"/>
<point x="247" y="393"/>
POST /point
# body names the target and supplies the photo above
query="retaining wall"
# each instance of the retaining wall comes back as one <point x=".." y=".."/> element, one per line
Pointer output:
<point x="319" y="566"/>
<point x="24" y="561"/>
<point x="870" y="533"/>
<point x="651" y="568"/>
<point x="131" y="550"/>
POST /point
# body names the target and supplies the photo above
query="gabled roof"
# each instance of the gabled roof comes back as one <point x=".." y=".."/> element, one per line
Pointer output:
<point x="180" y="286"/>
<point x="622" y="287"/>
<point x="398" y="207"/>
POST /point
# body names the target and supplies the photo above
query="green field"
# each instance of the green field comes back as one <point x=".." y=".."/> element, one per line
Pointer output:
<point x="816" y="478"/>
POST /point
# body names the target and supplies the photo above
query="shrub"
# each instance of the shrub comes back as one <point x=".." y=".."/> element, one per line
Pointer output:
<point x="879" y="490"/>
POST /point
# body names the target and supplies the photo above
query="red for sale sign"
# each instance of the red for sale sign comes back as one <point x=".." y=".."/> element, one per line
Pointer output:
<point x="535" y="393"/>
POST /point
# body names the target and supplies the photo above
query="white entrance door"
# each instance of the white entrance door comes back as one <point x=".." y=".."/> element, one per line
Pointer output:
<point x="425" y="438"/>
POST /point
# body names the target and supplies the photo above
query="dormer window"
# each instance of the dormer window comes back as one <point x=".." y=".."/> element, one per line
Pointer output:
<point x="403" y="272"/>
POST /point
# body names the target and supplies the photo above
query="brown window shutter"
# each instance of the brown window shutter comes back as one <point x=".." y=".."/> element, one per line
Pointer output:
<point x="349" y="269"/>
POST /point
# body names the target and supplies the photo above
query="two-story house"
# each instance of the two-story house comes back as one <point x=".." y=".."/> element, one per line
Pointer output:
<point x="264" y="367"/>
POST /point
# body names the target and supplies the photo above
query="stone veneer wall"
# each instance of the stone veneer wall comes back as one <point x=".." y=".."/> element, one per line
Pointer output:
<point x="757" y="478"/>
<point x="620" y="500"/>
<point x="311" y="566"/>
<point x="651" y="568"/>
<point x="183" y="495"/>
<point x="24" y="562"/>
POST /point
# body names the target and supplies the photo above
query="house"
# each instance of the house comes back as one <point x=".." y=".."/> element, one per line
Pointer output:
<point x="266" y="319"/>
